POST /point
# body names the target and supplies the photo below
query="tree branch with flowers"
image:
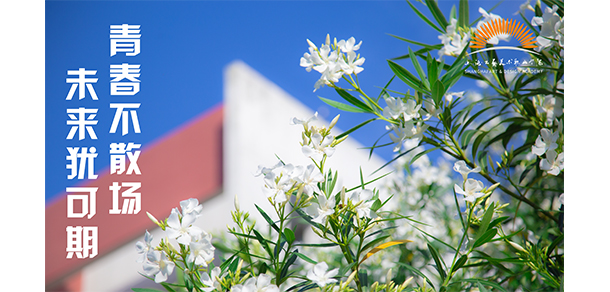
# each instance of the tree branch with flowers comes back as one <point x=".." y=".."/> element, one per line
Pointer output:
<point x="494" y="223"/>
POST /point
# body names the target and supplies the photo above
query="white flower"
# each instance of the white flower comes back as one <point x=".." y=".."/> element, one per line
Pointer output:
<point x="450" y="95"/>
<point x="158" y="265"/>
<point x="431" y="110"/>
<point x="463" y="169"/>
<point x="546" y="141"/>
<point x="471" y="191"/>
<point x="488" y="17"/>
<point x="453" y="42"/>
<point x="405" y="131"/>
<point x="551" y="28"/>
<point x="305" y="123"/>
<point x="395" y="107"/>
<point x="279" y="181"/>
<point x="181" y="230"/>
<point x="319" y="275"/>
<point x="191" y="207"/>
<point x="202" y="250"/>
<point x="351" y="63"/>
<point x="324" y="209"/>
<point x="319" y="146"/>
<point x="553" y="163"/>
<point x="552" y="107"/>
<point x="310" y="179"/>
<point x="525" y="6"/>
<point x="260" y="284"/>
<point x="144" y="247"/>
<point x="349" y="45"/>
<point x="362" y="200"/>
<point x="211" y="280"/>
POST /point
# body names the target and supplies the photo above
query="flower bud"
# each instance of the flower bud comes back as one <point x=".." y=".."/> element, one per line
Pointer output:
<point x="517" y="247"/>
<point x="236" y="203"/>
<point x="388" y="276"/>
<point x="404" y="284"/>
<point x="328" y="39"/>
<point x="154" y="220"/>
<point x="334" y="122"/>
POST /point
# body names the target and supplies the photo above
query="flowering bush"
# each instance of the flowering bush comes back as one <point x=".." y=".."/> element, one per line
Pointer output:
<point x="488" y="215"/>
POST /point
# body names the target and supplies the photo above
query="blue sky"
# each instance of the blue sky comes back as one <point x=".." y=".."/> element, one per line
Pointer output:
<point x="186" y="44"/>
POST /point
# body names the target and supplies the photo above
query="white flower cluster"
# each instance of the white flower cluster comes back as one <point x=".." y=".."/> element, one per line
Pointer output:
<point x="179" y="227"/>
<point x="454" y="40"/>
<point x="546" y="144"/>
<point x="549" y="107"/>
<point x="551" y="28"/>
<point x="472" y="187"/>
<point x="321" y="276"/>
<point x="282" y="179"/>
<point x="333" y="60"/>
<point x="406" y="116"/>
<point x="262" y="283"/>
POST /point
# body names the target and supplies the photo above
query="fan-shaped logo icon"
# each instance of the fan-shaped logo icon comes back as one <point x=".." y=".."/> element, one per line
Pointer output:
<point x="503" y="27"/>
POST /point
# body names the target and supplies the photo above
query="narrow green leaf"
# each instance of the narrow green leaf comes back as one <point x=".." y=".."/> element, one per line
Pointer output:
<point x="484" y="282"/>
<point x="342" y="106"/>
<point x="483" y="227"/>
<point x="263" y="242"/>
<point x="418" y="68"/>
<point x="349" y="98"/>
<point x="485" y="238"/>
<point x="305" y="258"/>
<point x="438" y="262"/>
<point x="436" y="12"/>
<point x="425" y="19"/>
<point x="463" y="17"/>
<point x="427" y="46"/>
<point x="355" y="128"/>
<point x="438" y="91"/>
<point x="287" y="265"/>
<point x="471" y="119"/>
<point x="482" y="288"/>
<point x="476" y="143"/>
<point x="460" y="262"/>
<point x="267" y="218"/>
<point x="406" y="76"/>
<point x="417" y="272"/>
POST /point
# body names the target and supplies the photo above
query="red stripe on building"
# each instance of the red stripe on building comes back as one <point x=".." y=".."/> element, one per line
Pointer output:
<point x="185" y="164"/>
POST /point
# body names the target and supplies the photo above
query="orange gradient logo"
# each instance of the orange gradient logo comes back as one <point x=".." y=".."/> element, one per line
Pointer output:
<point x="503" y="27"/>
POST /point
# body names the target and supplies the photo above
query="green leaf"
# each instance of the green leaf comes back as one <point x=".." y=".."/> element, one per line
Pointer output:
<point x="287" y="265"/>
<point x="349" y="98"/>
<point x="289" y="234"/>
<point x="484" y="282"/>
<point x="419" y="69"/>
<point x="438" y="262"/>
<point x="485" y="238"/>
<point x="455" y="71"/>
<point x="417" y="272"/>
<point x="263" y="242"/>
<point x="342" y="106"/>
<point x="463" y="17"/>
<point x="436" y="12"/>
<point x="267" y="218"/>
<point x="460" y="262"/>
<point x="483" y="227"/>
<point x="433" y="69"/>
<point x="476" y="143"/>
<point x="305" y="258"/>
<point x="481" y="288"/>
<point x="425" y="19"/>
<point x="471" y="119"/>
<point x="355" y="128"/>
<point x="438" y="91"/>
<point x="406" y="77"/>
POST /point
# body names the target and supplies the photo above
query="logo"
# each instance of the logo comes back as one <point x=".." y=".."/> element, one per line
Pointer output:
<point x="503" y="27"/>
